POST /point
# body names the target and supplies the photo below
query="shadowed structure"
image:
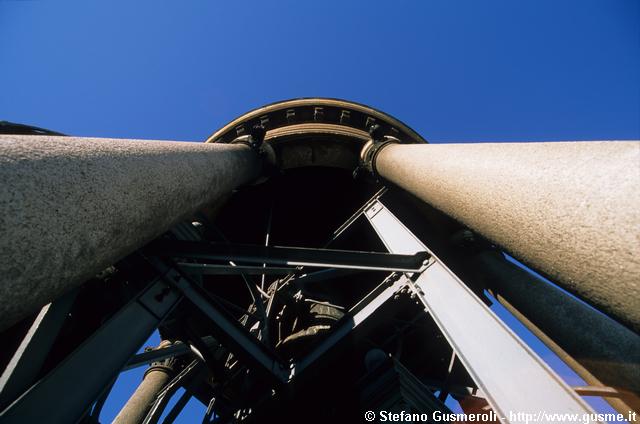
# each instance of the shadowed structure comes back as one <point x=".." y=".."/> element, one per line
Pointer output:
<point x="313" y="260"/>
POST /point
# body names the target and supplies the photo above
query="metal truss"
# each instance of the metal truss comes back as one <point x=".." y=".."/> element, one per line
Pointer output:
<point x="497" y="360"/>
<point x="68" y="391"/>
<point x="229" y="331"/>
<point x="356" y="316"/>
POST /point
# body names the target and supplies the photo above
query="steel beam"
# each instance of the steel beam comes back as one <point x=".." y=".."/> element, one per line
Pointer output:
<point x="68" y="391"/>
<point x="229" y="332"/>
<point x="178" y="407"/>
<point x="512" y="377"/>
<point x="288" y="256"/>
<point x="570" y="210"/>
<point x="69" y="207"/>
<point x="215" y="269"/>
<point x="27" y="361"/>
<point x="355" y="317"/>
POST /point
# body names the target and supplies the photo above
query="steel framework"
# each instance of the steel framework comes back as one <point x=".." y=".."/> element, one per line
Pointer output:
<point x="389" y="310"/>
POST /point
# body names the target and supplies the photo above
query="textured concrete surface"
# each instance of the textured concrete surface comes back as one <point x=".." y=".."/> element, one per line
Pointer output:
<point x="69" y="207"/>
<point x="141" y="401"/>
<point x="605" y="349"/>
<point x="568" y="209"/>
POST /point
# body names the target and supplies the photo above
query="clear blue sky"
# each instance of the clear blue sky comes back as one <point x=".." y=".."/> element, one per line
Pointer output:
<point x="452" y="70"/>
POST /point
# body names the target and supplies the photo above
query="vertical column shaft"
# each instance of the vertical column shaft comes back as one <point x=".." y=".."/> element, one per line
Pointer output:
<point x="598" y="349"/>
<point x="69" y="207"/>
<point x="140" y="402"/>
<point x="570" y="210"/>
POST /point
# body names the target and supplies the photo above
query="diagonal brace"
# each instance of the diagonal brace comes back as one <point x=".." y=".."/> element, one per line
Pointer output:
<point x="289" y="256"/>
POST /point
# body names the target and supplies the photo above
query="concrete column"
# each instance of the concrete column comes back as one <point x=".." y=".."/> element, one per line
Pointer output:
<point x="69" y="207"/>
<point x="570" y="210"/>
<point x="598" y="349"/>
<point x="155" y="379"/>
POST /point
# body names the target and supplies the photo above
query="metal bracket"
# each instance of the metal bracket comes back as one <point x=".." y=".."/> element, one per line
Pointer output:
<point x="255" y="140"/>
<point x="174" y="350"/>
<point x="372" y="147"/>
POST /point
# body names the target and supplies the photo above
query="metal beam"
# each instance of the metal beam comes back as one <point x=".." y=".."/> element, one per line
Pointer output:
<point x="216" y="269"/>
<point x="354" y="217"/>
<point x="27" y="361"/>
<point x="512" y="377"/>
<point x="570" y="210"/>
<point x="178" y="407"/>
<point x="55" y="191"/>
<point x="229" y="332"/>
<point x="355" y="317"/>
<point x="67" y="392"/>
<point x="288" y="256"/>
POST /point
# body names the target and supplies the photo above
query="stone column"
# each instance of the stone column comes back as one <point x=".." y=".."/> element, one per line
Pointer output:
<point x="601" y="351"/>
<point x="570" y="210"/>
<point x="69" y="207"/>
<point x="155" y="379"/>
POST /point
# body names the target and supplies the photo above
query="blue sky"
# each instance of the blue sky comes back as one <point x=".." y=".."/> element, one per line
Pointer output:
<point x="455" y="71"/>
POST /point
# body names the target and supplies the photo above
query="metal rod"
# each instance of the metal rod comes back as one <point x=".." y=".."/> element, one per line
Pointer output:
<point x="178" y="407"/>
<point x="289" y="256"/>
<point x="628" y="403"/>
<point x="215" y="269"/>
<point x="353" y="218"/>
<point x="266" y="242"/>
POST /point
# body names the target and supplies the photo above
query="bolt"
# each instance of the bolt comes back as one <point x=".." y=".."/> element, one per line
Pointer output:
<point x="160" y="296"/>
<point x="257" y="135"/>
<point x="376" y="132"/>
